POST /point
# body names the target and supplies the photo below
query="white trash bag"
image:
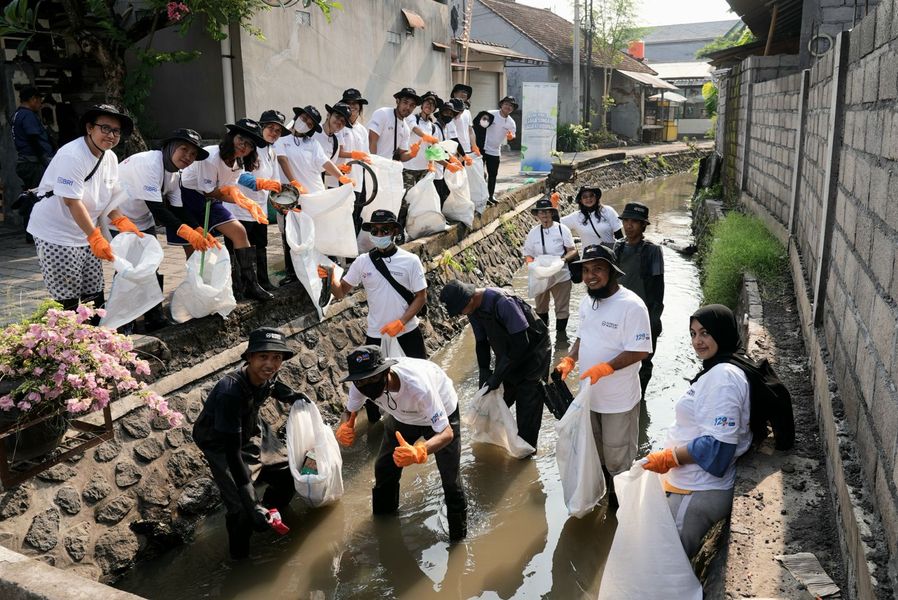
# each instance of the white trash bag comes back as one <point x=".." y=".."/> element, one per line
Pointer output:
<point x="582" y="480"/>
<point x="424" y="214"/>
<point x="390" y="187"/>
<point x="543" y="273"/>
<point x="491" y="422"/>
<point x="646" y="535"/>
<point x="135" y="289"/>
<point x="390" y="348"/>
<point x="212" y="293"/>
<point x="458" y="206"/>
<point x="306" y="432"/>
<point x="300" y="232"/>
<point x="477" y="184"/>
<point x="331" y="210"/>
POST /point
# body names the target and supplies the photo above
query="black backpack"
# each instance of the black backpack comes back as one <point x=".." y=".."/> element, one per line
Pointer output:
<point x="770" y="403"/>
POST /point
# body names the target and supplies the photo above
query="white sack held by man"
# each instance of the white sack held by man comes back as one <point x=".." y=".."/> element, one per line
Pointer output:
<point x="301" y="234"/>
<point x="543" y="273"/>
<point x="491" y="422"/>
<point x="582" y="480"/>
<point x="315" y="460"/>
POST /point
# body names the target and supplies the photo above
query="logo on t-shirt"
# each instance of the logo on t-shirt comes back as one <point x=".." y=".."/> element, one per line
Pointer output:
<point x="641" y="337"/>
<point x="609" y="324"/>
<point x="150" y="188"/>
<point x="724" y="421"/>
<point x="436" y="417"/>
<point x="64" y="181"/>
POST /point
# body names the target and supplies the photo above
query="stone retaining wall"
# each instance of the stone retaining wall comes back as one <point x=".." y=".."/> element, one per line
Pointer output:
<point x="146" y="490"/>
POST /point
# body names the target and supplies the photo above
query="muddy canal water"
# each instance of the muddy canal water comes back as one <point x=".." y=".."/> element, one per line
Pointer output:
<point x="521" y="543"/>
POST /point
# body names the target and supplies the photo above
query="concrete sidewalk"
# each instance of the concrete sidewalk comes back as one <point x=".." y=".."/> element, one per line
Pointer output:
<point x="22" y="286"/>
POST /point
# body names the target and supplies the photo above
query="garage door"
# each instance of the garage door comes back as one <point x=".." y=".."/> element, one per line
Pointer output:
<point x="486" y="90"/>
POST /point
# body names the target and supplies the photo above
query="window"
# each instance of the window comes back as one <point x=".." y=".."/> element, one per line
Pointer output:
<point x="393" y="38"/>
<point x="303" y="18"/>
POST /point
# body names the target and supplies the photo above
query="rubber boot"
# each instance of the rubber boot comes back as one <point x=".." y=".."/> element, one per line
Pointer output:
<point x="155" y="318"/>
<point x="99" y="300"/>
<point x="236" y="274"/>
<point x="544" y="317"/>
<point x="289" y="271"/>
<point x="262" y="270"/>
<point x="458" y="526"/>
<point x="69" y="303"/>
<point x="239" y="533"/>
<point x="246" y="259"/>
<point x="385" y="500"/>
<point x="325" y="295"/>
<point x="561" y="338"/>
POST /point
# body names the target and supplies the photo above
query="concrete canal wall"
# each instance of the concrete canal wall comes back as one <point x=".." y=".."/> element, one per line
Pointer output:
<point x="818" y="163"/>
<point x="146" y="490"/>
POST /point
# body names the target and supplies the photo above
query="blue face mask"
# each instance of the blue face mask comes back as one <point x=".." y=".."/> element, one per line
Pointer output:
<point x="381" y="242"/>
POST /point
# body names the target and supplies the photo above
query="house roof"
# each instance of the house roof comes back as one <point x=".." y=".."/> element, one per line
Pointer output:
<point x="683" y="70"/>
<point x="555" y="35"/>
<point x="758" y="14"/>
<point x="688" y="32"/>
<point x="498" y="50"/>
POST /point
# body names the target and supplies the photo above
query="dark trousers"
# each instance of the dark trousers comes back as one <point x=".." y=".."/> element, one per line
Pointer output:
<point x="645" y="370"/>
<point x="442" y="190"/>
<point x="387" y="474"/>
<point x="491" y="163"/>
<point x="527" y="394"/>
<point x="412" y="343"/>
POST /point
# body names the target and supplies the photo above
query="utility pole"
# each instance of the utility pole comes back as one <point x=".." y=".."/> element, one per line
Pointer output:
<point x="576" y="57"/>
<point x="590" y="33"/>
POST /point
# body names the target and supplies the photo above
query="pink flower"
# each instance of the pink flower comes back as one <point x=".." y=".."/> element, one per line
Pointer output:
<point x="6" y="402"/>
<point x="176" y="10"/>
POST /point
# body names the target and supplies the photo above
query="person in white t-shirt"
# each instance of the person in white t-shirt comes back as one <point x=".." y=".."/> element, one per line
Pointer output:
<point x="500" y="129"/>
<point x="423" y="130"/>
<point x="445" y="130"/>
<point x="420" y="402"/>
<point x="712" y="429"/>
<point x="79" y="188"/>
<point x="331" y="136"/>
<point x="551" y="238"/>
<point x="354" y="146"/>
<point x="301" y="158"/>
<point x="595" y="223"/>
<point x="463" y="122"/>
<point x="613" y="338"/>
<point x="388" y="133"/>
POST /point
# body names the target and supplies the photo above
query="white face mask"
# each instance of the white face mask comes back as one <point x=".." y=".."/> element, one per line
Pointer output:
<point x="300" y="127"/>
<point x="484" y="123"/>
<point x="381" y="242"/>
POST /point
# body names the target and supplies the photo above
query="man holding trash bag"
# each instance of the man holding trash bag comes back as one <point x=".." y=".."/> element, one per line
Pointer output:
<point x="613" y="338"/>
<point x="420" y="402"/>
<point x="519" y="339"/>
<point x="240" y="446"/>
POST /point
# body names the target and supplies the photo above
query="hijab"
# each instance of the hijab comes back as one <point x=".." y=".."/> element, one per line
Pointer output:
<point x="167" y="152"/>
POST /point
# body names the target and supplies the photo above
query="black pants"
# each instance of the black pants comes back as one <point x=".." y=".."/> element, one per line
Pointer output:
<point x="442" y="190"/>
<point x="527" y="394"/>
<point x="387" y="474"/>
<point x="412" y="343"/>
<point x="492" y="170"/>
<point x="645" y="369"/>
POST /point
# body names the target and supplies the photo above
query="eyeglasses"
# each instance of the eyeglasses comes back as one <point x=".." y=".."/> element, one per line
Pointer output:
<point x="106" y="129"/>
<point x="384" y="230"/>
<point x="241" y="143"/>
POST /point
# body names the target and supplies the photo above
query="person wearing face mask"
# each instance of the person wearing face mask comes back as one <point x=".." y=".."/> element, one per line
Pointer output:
<point x="499" y="129"/>
<point x="595" y="223"/>
<point x="420" y="402"/>
<point x="614" y="337"/>
<point x="445" y="130"/>
<point x="301" y="158"/>
<point x="354" y="146"/>
<point x="151" y="181"/>
<point x="388" y="132"/>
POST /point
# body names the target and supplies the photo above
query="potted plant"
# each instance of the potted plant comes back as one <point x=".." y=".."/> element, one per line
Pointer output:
<point x="561" y="171"/>
<point x="55" y="366"/>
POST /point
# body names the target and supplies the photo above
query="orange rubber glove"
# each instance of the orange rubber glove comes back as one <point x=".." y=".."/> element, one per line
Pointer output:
<point x="211" y="240"/>
<point x="555" y="199"/>
<point x="344" y="168"/>
<point x="346" y="432"/>
<point x="475" y="149"/>
<point x="565" y="366"/>
<point x="596" y="372"/>
<point x="528" y="259"/>
<point x="344" y="180"/>
<point x="405" y="454"/>
<point x="430" y="139"/>
<point x="231" y="192"/>
<point x="431" y="167"/>
<point x="413" y="151"/>
<point x="362" y="156"/>
<point x="99" y="246"/>
<point x="469" y="161"/>
<point x="509" y="136"/>
<point x="454" y="160"/>
<point x="661" y="461"/>
<point x="299" y="187"/>
<point x="125" y="225"/>
<point x="393" y="328"/>
<point x="453" y="168"/>
<point x="195" y="239"/>
<point x="268" y="184"/>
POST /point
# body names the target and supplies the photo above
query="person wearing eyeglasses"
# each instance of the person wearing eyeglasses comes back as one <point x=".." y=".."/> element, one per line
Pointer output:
<point x="215" y="180"/>
<point x="78" y="194"/>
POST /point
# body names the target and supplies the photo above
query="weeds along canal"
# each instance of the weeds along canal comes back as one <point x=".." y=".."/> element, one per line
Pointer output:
<point x="521" y="543"/>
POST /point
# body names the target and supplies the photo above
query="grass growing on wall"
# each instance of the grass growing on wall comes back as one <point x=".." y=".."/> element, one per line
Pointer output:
<point x="739" y="243"/>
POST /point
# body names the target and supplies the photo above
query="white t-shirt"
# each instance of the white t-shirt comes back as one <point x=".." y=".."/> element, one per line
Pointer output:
<point x="446" y="133"/>
<point x="496" y="132"/>
<point x="605" y="225"/>
<point x="553" y="240"/>
<point x="306" y="159"/>
<point x="419" y="162"/>
<point x="206" y="175"/>
<point x="617" y="324"/>
<point x="51" y="220"/>
<point x="144" y="179"/>
<point x="716" y="405"/>
<point x="327" y="145"/>
<point x="354" y="138"/>
<point x="267" y="169"/>
<point x="385" y="305"/>
<point x="383" y="122"/>
<point x="426" y="396"/>
<point x="462" y="124"/>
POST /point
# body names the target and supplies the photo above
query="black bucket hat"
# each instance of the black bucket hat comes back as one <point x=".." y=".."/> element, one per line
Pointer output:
<point x="250" y="129"/>
<point x="437" y="101"/>
<point x="454" y="104"/>
<point x="588" y="188"/>
<point x="408" y="92"/>
<point x="91" y="114"/>
<point x="353" y="95"/>
<point x="544" y="204"/>
<point x="511" y="99"/>
<point x="342" y="109"/>
<point x="636" y="210"/>
<point x="461" y="87"/>
<point x="267" y="339"/>
<point x="274" y="116"/>
<point x="456" y="295"/>
<point x="378" y="217"/>
<point x="599" y="252"/>
<point x="309" y="111"/>
<point x="191" y="137"/>
<point x="366" y="361"/>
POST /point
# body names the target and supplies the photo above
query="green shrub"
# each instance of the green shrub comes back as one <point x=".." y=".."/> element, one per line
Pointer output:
<point x="572" y="138"/>
<point x="739" y="243"/>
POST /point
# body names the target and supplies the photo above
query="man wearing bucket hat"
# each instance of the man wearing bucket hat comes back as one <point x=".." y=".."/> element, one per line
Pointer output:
<point x="613" y="337"/>
<point x="331" y="135"/>
<point x="354" y="146"/>
<point x="594" y="222"/>
<point x="500" y="129"/>
<point x="507" y="325"/>
<point x="388" y="133"/>
<point x="302" y="158"/>
<point x="549" y="238"/>
<point x="419" y="401"/>
<point x="463" y="121"/>
<point x="423" y="130"/>
<point x="643" y="263"/>
<point x="445" y="130"/>
<point x="241" y="447"/>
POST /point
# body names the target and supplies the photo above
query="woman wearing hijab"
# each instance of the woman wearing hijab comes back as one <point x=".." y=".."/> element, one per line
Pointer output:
<point x="712" y="429"/>
<point x="594" y="223"/>
<point x="78" y="191"/>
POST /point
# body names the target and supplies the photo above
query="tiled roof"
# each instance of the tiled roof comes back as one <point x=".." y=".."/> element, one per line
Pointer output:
<point x="686" y="32"/>
<point x="555" y="35"/>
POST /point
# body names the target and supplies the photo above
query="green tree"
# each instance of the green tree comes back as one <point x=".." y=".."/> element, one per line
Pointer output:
<point x="105" y="30"/>
<point x="735" y="37"/>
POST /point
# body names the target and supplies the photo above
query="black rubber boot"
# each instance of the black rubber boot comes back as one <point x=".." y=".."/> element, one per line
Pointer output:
<point x="544" y="317"/>
<point x="69" y="303"/>
<point x="155" y="318"/>
<point x="236" y="273"/>
<point x="246" y="259"/>
<point x="262" y="270"/>
<point x="385" y="500"/>
<point x="239" y="533"/>
<point x="325" y="296"/>
<point x="99" y="301"/>
<point x="561" y="331"/>
<point x="289" y="271"/>
<point x="458" y="526"/>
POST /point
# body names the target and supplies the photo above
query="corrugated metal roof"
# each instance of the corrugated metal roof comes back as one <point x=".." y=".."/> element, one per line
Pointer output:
<point x="686" y="32"/>
<point x="757" y="14"/>
<point x="498" y="50"/>
<point x="683" y="70"/>
<point x="649" y="80"/>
